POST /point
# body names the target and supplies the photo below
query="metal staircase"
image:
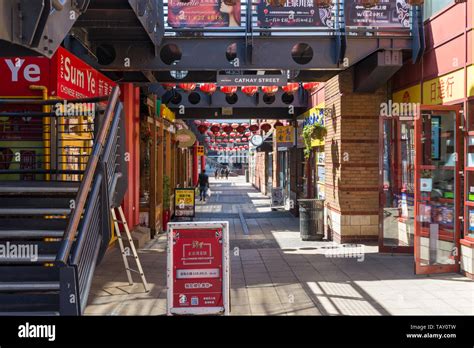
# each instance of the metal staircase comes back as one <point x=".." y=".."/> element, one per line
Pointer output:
<point x="55" y="221"/>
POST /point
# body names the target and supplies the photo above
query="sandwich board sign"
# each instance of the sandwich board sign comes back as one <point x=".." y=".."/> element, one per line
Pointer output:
<point x="198" y="268"/>
<point x="277" y="197"/>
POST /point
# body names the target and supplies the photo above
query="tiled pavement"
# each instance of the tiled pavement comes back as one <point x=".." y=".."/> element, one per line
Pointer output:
<point x="274" y="273"/>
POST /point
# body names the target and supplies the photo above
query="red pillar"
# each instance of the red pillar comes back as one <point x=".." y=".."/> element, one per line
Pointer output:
<point x="195" y="164"/>
<point x="131" y="102"/>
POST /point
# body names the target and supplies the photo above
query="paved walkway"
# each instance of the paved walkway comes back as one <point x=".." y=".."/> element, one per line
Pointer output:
<point x="274" y="273"/>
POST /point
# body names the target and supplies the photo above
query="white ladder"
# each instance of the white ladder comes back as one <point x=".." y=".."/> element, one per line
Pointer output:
<point x="123" y="221"/>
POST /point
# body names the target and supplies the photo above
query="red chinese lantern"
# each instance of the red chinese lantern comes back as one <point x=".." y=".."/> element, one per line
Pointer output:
<point x="247" y="134"/>
<point x="246" y="125"/>
<point x="253" y="127"/>
<point x="249" y="90"/>
<point x="265" y="127"/>
<point x="270" y="90"/>
<point x="240" y="129"/>
<point x="244" y="140"/>
<point x="231" y="140"/>
<point x="246" y="147"/>
<point x="197" y="122"/>
<point x="202" y="129"/>
<point x="225" y="140"/>
<point x="234" y="125"/>
<point x="233" y="134"/>
<point x="310" y="86"/>
<point x="229" y="90"/>
<point x="215" y="129"/>
<point x="168" y="86"/>
<point x="210" y="133"/>
<point x="291" y="88"/>
<point x="278" y="124"/>
<point x="237" y="140"/>
<point x="218" y="141"/>
<point x="227" y="128"/>
<point x="208" y="88"/>
<point x="223" y="134"/>
<point x="217" y="134"/>
<point x="187" y="87"/>
<point x="207" y="140"/>
<point x="206" y="123"/>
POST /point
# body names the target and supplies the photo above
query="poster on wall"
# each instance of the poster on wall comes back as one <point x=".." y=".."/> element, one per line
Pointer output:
<point x="204" y="13"/>
<point x="387" y="14"/>
<point x="294" y="13"/>
<point x="184" y="202"/>
<point x="277" y="197"/>
<point x="198" y="268"/>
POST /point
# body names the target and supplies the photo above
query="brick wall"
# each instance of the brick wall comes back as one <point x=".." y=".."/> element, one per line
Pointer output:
<point x="352" y="160"/>
<point x="260" y="179"/>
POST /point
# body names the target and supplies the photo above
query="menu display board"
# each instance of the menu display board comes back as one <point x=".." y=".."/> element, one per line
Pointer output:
<point x="184" y="202"/>
<point x="198" y="268"/>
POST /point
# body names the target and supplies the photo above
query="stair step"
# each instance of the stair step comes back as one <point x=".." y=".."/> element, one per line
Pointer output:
<point x="29" y="286"/>
<point x="39" y="222"/>
<point x="14" y="303"/>
<point x="54" y="202"/>
<point x="33" y="234"/>
<point x="38" y="187"/>
<point x="35" y="211"/>
<point x="28" y="273"/>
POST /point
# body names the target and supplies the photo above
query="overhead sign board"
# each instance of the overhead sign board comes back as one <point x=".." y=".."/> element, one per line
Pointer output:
<point x="198" y="268"/>
<point x="294" y="13"/>
<point x="184" y="202"/>
<point x="203" y="13"/>
<point x="386" y="14"/>
<point x="251" y="80"/>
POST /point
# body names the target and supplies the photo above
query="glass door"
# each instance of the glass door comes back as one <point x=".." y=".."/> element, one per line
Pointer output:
<point x="437" y="189"/>
<point x="397" y="191"/>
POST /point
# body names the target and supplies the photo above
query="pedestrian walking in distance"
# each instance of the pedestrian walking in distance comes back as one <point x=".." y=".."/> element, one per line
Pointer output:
<point x="216" y="173"/>
<point x="203" y="185"/>
<point x="227" y="173"/>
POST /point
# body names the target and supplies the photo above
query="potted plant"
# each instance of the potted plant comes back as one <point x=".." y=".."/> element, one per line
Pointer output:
<point x="166" y="202"/>
<point x="311" y="132"/>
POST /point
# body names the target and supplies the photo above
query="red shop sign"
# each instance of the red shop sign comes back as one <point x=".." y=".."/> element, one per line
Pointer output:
<point x="198" y="268"/>
<point x="65" y="75"/>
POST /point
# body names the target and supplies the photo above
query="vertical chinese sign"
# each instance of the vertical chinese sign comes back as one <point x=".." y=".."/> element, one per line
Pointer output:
<point x="198" y="268"/>
<point x="203" y="13"/>
<point x="285" y="136"/>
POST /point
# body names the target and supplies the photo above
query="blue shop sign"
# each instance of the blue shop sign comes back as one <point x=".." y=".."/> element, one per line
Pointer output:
<point x="315" y="116"/>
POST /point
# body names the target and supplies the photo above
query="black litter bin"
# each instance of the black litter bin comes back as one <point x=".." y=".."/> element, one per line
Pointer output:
<point x="311" y="219"/>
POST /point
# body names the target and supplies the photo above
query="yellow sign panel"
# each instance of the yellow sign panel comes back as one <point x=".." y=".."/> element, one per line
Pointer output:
<point x="285" y="136"/>
<point x="184" y="202"/>
<point x="167" y="114"/>
<point x="470" y="80"/>
<point x="444" y="89"/>
<point x="408" y="95"/>
<point x="200" y="150"/>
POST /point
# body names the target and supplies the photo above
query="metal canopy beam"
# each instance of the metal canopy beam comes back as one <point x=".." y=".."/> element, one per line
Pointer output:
<point x="376" y="70"/>
<point x="238" y="113"/>
<point x="39" y="26"/>
<point x="199" y="100"/>
<point x="269" y="53"/>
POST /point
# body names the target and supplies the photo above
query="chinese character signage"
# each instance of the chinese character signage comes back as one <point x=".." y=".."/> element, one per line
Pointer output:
<point x="203" y="13"/>
<point x="200" y="150"/>
<point x="295" y="13"/>
<point x="198" y="268"/>
<point x="285" y="136"/>
<point x="184" y="205"/>
<point x="444" y="89"/>
<point x="387" y="14"/>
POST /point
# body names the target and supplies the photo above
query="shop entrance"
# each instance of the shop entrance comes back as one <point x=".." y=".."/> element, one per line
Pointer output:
<point x="438" y="194"/>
